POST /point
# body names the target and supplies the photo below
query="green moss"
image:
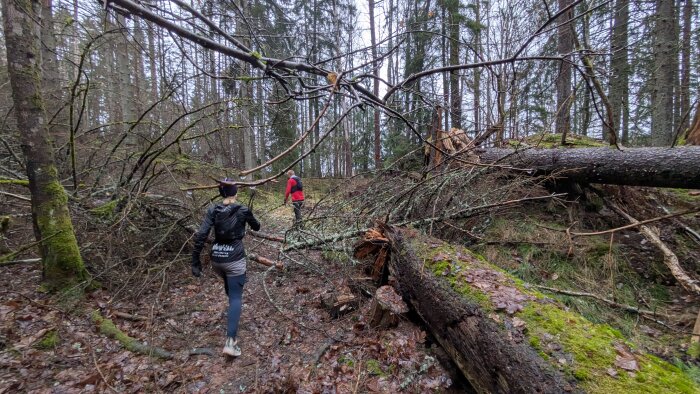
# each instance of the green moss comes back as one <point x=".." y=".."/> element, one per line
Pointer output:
<point x="336" y="256"/>
<point x="106" y="211"/>
<point x="346" y="360"/>
<point x="21" y="182"/>
<point x="108" y="328"/>
<point x="49" y="340"/>
<point x="62" y="264"/>
<point x="694" y="350"/>
<point x="591" y="346"/>
<point x="684" y="194"/>
<point x="4" y="223"/>
<point x="553" y="140"/>
<point x="375" y="368"/>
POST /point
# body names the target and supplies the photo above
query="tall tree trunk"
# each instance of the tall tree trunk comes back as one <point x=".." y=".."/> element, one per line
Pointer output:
<point x="662" y="93"/>
<point x="565" y="45"/>
<point x="685" y="66"/>
<point x="375" y="66"/>
<point x="124" y="66"/>
<point x="245" y="94"/>
<point x="455" y="91"/>
<point x="62" y="263"/>
<point x="477" y="71"/>
<point x="50" y="76"/>
<point x="619" y="81"/>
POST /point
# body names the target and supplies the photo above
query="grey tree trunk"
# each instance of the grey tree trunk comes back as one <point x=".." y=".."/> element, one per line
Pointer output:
<point x="455" y="91"/>
<point x="124" y="90"/>
<point x="662" y="91"/>
<point x="62" y="263"/>
<point x="245" y="94"/>
<point x="656" y="167"/>
<point x="619" y="81"/>
<point x="565" y="45"/>
<point x="685" y="67"/>
<point x="375" y="66"/>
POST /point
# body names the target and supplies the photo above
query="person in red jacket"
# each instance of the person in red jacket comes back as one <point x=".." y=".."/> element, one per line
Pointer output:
<point x="296" y="189"/>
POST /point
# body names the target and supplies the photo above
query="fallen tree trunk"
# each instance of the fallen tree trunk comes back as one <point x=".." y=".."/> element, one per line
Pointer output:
<point x="489" y="360"/>
<point x="506" y="337"/>
<point x="656" y="167"/>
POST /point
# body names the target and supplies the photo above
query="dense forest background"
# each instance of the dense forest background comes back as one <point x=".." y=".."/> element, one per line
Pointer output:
<point x="123" y="90"/>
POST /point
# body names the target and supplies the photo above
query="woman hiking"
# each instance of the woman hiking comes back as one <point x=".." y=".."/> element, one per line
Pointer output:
<point x="227" y="254"/>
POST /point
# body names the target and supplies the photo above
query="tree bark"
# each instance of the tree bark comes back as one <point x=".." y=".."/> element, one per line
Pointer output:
<point x="455" y="91"/>
<point x="662" y="91"/>
<point x="62" y="263"/>
<point x="685" y="66"/>
<point x="375" y="70"/>
<point x="565" y="45"/>
<point x="656" y="167"/>
<point x="619" y="81"/>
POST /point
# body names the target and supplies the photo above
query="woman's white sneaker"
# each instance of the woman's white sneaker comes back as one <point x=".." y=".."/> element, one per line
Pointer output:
<point x="231" y="347"/>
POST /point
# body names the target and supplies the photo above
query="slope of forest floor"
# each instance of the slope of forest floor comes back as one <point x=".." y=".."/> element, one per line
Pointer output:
<point x="290" y="342"/>
<point x="138" y="251"/>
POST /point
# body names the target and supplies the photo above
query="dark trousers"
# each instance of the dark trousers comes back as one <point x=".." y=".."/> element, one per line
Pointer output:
<point x="297" y="212"/>
<point x="234" y="291"/>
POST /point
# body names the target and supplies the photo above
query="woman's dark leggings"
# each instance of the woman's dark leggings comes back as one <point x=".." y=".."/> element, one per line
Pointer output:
<point x="234" y="291"/>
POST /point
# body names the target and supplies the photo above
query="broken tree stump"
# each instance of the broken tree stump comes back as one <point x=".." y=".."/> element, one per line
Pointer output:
<point x="387" y="308"/>
<point x="339" y="301"/>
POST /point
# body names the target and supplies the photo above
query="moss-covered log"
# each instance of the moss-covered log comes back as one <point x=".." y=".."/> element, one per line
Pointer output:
<point x="62" y="263"/>
<point x="108" y="328"/>
<point x="508" y="338"/>
<point x="656" y="167"/>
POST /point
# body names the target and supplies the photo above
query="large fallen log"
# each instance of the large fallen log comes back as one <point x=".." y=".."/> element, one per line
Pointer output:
<point x="657" y="167"/>
<point x="506" y="337"/>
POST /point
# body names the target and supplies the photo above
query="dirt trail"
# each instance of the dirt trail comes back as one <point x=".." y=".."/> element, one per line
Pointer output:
<point x="289" y="342"/>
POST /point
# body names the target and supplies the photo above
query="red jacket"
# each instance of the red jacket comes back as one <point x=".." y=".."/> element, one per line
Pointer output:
<point x="297" y="195"/>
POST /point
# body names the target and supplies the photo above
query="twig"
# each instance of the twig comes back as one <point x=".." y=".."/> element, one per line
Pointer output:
<point x="99" y="371"/>
<point x="17" y="196"/>
<point x="24" y="261"/>
<point x="615" y="304"/>
<point x="670" y="258"/>
<point x="637" y="223"/>
<point x="129" y="316"/>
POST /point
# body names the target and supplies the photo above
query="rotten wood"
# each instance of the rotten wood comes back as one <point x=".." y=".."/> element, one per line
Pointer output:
<point x="339" y="301"/>
<point x="265" y="261"/>
<point x="387" y="308"/>
<point x="269" y="237"/>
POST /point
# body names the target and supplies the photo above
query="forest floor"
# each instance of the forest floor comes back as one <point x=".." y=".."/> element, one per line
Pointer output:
<point x="289" y="341"/>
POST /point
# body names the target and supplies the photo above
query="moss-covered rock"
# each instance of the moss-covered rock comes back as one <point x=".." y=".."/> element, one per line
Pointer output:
<point x="596" y="355"/>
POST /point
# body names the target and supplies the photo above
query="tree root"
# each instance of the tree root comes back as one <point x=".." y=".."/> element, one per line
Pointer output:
<point x="108" y="328"/>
